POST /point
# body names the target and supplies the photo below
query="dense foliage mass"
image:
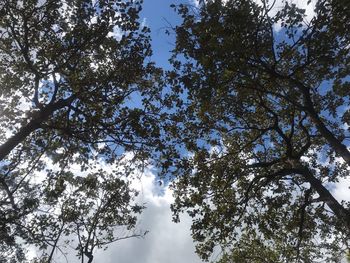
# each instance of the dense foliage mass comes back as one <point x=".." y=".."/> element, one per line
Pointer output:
<point x="67" y="72"/>
<point x="260" y="130"/>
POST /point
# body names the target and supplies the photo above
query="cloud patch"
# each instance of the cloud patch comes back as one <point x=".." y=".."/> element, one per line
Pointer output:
<point x="166" y="241"/>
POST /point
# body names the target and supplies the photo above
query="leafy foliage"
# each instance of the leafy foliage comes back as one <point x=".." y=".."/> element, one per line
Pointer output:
<point x="69" y="71"/>
<point x="260" y="103"/>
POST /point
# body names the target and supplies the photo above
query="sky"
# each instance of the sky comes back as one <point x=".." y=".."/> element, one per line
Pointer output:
<point x="158" y="16"/>
<point x="166" y="242"/>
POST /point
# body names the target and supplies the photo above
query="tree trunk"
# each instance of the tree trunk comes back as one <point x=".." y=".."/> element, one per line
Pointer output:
<point x="333" y="141"/>
<point x="341" y="212"/>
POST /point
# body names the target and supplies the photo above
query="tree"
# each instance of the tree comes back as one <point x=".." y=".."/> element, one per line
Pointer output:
<point x="260" y="130"/>
<point x="68" y="70"/>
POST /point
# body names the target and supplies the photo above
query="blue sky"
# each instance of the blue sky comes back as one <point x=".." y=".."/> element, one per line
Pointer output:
<point x="166" y="241"/>
<point x="158" y="14"/>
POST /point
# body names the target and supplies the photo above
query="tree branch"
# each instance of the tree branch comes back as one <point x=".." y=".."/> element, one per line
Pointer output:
<point x="33" y="125"/>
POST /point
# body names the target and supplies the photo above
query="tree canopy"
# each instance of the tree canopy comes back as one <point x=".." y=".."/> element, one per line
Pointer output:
<point x="251" y="125"/>
<point x="260" y="130"/>
<point x="67" y="72"/>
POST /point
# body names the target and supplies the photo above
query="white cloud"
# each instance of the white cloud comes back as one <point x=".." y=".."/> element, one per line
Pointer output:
<point x="342" y="190"/>
<point x="194" y="2"/>
<point x="278" y="4"/>
<point x="309" y="8"/>
<point x="166" y="242"/>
